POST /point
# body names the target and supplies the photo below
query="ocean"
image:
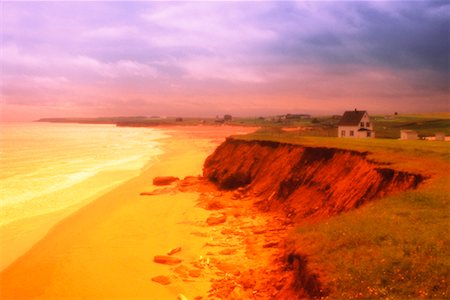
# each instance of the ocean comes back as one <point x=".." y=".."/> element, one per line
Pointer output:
<point x="44" y="164"/>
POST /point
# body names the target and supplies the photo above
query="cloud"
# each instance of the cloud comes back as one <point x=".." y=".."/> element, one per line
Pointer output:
<point x="110" y="32"/>
<point x="15" y="59"/>
<point x="215" y="54"/>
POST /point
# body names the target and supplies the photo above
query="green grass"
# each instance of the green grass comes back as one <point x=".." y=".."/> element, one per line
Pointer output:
<point x="396" y="247"/>
<point x="425" y="125"/>
<point x="400" y="153"/>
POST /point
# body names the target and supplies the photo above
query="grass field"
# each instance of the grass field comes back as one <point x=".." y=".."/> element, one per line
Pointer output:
<point x="385" y="127"/>
<point x="325" y="126"/>
<point x="396" y="247"/>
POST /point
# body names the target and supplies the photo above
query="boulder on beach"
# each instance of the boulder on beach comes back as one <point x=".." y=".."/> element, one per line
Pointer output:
<point x="173" y="251"/>
<point x="164" y="180"/>
<point x="166" y="260"/>
<point x="216" y="219"/>
<point x="157" y="192"/>
<point x="195" y="273"/>
<point x="164" y="280"/>
<point x="228" y="268"/>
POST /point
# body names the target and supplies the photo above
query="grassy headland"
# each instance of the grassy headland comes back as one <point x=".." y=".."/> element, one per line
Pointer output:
<point x="396" y="247"/>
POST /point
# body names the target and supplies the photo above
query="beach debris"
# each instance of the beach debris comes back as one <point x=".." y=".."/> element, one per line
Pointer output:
<point x="158" y="192"/>
<point x="216" y="219"/>
<point x="228" y="251"/>
<point x="166" y="260"/>
<point x="173" y="251"/>
<point x="247" y="280"/>
<point x="195" y="273"/>
<point x="198" y="265"/>
<point x="270" y="245"/>
<point x="237" y="195"/>
<point x="164" y="280"/>
<point x="237" y="293"/>
<point x="259" y="231"/>
<point x="182" y="271"/>
<point x="181" y="297"/>
<point x="228" y="268"/>
<point x="200" y="234"/>
<point x="164" y="180"/>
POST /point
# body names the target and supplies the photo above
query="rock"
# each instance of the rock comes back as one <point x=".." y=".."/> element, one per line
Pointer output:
<point x="200" y="234"/>
<point x="214" y="205"/>
<point x="164" y="180"/>
<point x="216" y="219"/>
<point x="164" y="280"/>
<point x="236" y="196"/>
<point x="228" y="268"/>
<point x="247" y="281"/>
<point x="188" y="181"/>
<point x="166" y="260"/>
<point x="198" y="265"/>
<point x="182" y="271"/>
<point x="228" y="251"/>
<point x="259" y="231"/>
<point x="157" y="192"/>
<point x="227" y="231"/>
<point x="270" y="245"/>
<point x="174" y="250"/>
<point x="237" y="293"/>
<point x="195" y="273"/>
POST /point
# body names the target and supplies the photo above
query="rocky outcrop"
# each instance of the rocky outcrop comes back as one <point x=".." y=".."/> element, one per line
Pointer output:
<point x="164" y="180"/>
<point x="307" y="182"/>
<point x="166" y="260"/>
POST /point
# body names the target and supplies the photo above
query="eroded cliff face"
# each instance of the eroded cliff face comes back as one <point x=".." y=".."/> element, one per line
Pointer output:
<point x="308" y="183"/>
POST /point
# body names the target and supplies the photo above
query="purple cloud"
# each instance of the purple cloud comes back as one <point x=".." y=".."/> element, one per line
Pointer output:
<point x="201" y="58"/>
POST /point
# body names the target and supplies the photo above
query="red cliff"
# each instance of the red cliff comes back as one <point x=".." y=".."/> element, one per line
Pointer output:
<point x="308" y="183"/>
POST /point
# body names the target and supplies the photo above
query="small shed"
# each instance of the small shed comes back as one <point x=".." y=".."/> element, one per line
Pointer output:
<point x="440" y="136"/>
<point x="408" y="135"/>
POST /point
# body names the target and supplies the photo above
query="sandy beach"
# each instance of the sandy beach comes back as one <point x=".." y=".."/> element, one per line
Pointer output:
<point x="106" y="249"/>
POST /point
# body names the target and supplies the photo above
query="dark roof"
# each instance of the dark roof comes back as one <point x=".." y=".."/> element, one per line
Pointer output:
<point x="351" y="118"/>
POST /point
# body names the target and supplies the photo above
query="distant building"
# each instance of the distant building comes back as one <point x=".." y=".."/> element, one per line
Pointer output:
<point x="440" y="136"/>
<point x="355" y="124"/>
<point x="408" y="135"/>
<point x="297" y="116"/>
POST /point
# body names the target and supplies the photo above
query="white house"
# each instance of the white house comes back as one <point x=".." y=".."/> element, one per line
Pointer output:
<point x="355" y="124"/>
<point x="440" y="136"/>
<point x="408" y="135"/>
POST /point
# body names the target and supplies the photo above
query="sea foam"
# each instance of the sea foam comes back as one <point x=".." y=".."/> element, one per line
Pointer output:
<point x="40" y="159"/>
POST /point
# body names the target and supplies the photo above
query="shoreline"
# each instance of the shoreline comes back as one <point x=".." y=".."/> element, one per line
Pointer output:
<point x="112" y="238"/>
<point x="19" y="235"/>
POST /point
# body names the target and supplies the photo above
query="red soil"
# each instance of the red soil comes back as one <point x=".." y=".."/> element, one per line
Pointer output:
<point x="308" y="183"/>
<point x="289" y="184"/>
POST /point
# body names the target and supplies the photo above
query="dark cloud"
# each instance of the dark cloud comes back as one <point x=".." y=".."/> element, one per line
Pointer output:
<point x="236" y="50"/>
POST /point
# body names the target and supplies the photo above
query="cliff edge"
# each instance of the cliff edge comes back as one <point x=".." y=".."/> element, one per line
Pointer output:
<point x="307" y="183"/>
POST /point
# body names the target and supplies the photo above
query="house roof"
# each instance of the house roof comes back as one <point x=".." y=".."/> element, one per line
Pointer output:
<point x="408" y="131"/>
<point x="351" y="118"/>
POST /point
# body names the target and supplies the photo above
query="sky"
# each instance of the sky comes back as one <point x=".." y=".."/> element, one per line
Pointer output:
<point x="88" y="59"/>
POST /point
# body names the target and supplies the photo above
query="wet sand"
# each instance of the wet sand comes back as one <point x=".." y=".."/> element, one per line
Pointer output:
<point x="106" y="249"/>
